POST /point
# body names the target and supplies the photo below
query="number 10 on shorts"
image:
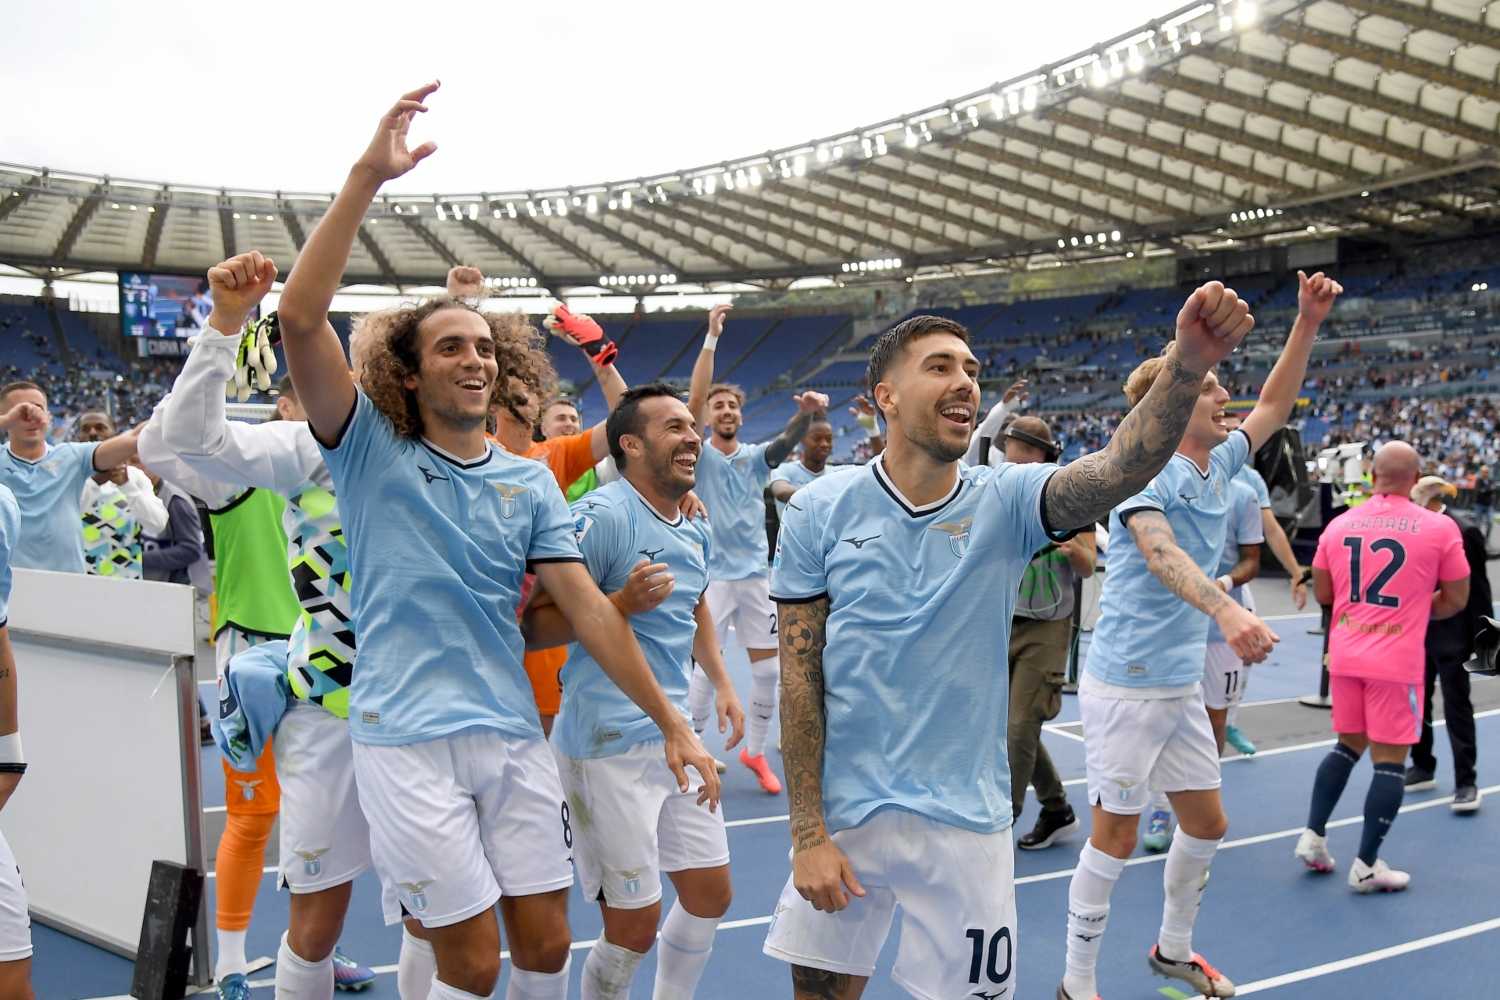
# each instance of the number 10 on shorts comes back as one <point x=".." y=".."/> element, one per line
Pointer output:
<point x="987" y="958"/>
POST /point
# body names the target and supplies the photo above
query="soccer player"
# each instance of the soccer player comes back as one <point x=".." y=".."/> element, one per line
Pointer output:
<point x="15" y="921"/>
<point x="47" y="479"/>
<point x="1144" y="722"/>
<point x="1386" y="567"/>
<point x="119" y="506"/>
<point x="732" y="478"/>
<point x="1450" y="643"/>
<point x="561" y="418"/>
<point x="1040" y="636"/>
<point x="896" y="587"/>
<point x="453" y="773"/>
<point x="789" y="477"/>
<point x="608" y="751"/>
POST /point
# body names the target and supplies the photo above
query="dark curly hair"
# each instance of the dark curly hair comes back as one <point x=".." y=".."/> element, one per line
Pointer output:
<point x="389" y="344"/>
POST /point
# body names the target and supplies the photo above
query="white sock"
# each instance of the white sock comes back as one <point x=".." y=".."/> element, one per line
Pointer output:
<point x="765" y="684"/>
<point x="1088" y="914"/>
<point x="686" y="942"/>
<point x="231" y="954"/>
<point x="416" y="968"/>
<point x="1159" y="803"/>
<point x="608" y="971"/>
<point x="442" y="991"/>
<point x="1185" y="878"/>
<point x="526" y="985"/>
<point x="700" y="699"/>
<point x="299" y="979"/>
<point x="1234" y="710"/>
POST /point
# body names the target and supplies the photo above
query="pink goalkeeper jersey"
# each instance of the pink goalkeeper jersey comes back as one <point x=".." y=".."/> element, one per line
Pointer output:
<point x="1386" y="557"/>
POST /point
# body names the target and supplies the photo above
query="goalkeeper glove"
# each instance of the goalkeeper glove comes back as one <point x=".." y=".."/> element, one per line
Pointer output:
<point x="582" y="331"/>
<point x="255" y="361"/>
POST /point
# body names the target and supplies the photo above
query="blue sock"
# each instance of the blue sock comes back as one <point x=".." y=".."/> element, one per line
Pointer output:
<point x="1333" y="775"/>
<point x="1382" y="803"/>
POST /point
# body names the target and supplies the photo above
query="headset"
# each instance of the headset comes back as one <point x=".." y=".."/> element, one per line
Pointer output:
<point x="1048" y="449"/>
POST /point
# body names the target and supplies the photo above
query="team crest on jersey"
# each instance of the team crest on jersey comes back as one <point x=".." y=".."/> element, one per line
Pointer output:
<point x="958" y="534"/>
<point x="247" y="788"/>
<point x="508" y="496"/>
<point x="312" y="861"/>
<point x="415" y="894"/>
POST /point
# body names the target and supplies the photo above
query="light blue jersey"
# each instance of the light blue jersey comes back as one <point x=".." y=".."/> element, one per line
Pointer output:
<point x="49" y="493"/>
<point x="920" y="601"/>
<point x="1147" y="636"/>
<point x="733" y="488"/>
<point x="795" y="473"/>
<point x="438" y="548"/>
<point x="1244" y="529"/>
<point x="617" y="529"/>
<point x="1256" y="482"/>
<point x="10" y="537"/>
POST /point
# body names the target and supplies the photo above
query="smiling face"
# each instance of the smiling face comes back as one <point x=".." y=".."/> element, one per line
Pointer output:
<point x="817" y="445"/>
<point x="560" y="420"/>
<point x="663" y="448"/>
<point x="724" y="414"/>
<point x="457" y="369"/>
<point x="930" y="395"/>
<point x="95" y="426"/>
<point x="1209" y="425"/>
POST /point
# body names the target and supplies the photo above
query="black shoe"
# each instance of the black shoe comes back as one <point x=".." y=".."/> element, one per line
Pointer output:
<point x="1419" y="779"/>
<point x="1466" y="799"/>
<point x="1050" y="828"/>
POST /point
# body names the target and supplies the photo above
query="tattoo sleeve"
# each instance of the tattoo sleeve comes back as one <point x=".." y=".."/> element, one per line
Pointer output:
<point x="781" y="448"/>
<point x="802" y="629"/>
<point x="1085" y="490"/>
<point x="1172" y="566"/>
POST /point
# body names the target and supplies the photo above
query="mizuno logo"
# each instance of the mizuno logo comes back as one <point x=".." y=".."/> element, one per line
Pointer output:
<point x="859" y="543"/>
<point x="989" y="996"/>
<point x="429" y="475"/>
<point x="651" y="554"/>
<point x="792" y="505"/>
<point x="1185" y="498"/>
<point x="1085" y="937"/>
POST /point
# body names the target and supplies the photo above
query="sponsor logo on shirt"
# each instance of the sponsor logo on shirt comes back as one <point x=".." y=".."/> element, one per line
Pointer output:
<point x="370" y="718"/>
<point x="858" y="542"/>
<point x="430" y="476"/>
<point x="651" y="554"/>
<point x="1372" y="628"/>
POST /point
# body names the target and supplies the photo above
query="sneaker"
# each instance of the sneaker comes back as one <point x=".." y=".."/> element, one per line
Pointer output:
<point x="1379" y="877"/>
<point x="1419" y="779"/>
<point x="350" y="975"/>
<point x="763" y="772"/>
<point x="234" y="987"/>
<point x="1050" y="828"/>
<point x="1158" y="832"/>
<point x="1466" y="800"/>
<point x="1196" y="972"/>
<point x="1313" y="850"/>
<point x="1239" y="741"/>
<point x="1063" y="994"/>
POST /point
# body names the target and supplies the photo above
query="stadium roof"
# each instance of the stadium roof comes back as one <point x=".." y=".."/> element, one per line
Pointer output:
<point x="1244" y="122"/>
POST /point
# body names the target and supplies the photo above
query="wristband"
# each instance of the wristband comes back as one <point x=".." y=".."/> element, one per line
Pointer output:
<point x="1226" y="582"/>
<point x="12" y="757"/>
<point x="1307" y="575"/>
<point x="711" y="342"/>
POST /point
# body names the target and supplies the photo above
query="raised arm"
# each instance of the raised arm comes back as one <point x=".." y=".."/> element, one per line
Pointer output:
<point x="809" y="405"/>
<point x="147" y="507"/>
<point x="1210" y="326"/>
<point x="820" y="871"/>
<point x="989" y="427"/>
<point x="1315" y="297"/>
<point x="1246" y="634"/>
<point x="116" y="451"/>
<point x="703" y="368"/>
<point x="325" y="386"/>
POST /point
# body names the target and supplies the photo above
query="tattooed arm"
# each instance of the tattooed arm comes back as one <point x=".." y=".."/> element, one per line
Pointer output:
<point x="820" y="871"/>
<point x="1210" y="326"/>
<point x="1246" y="634"/>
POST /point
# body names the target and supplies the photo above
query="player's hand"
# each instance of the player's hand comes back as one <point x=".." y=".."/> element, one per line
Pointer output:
<point x="1315" y="296"/>
<point x="691" y="506"/>
<point x="1212" y="323"/>
<point x="716" y="317"/>
<point x="465" y="282"/>
<point x="864" y="411"/>
<point x="1251" y="639"/>
<point x="822" y="874"/>
<point x="1016" y="394"/>
<point x="684" y="750"/>
<point x="387" y="156"/>
<point x="1299" y="591"/>
<point x="731" y="716"/>
<point x="237" y="285"/>
<point x="24" y="416"/>
<point x="645" y="588"/>
<point x="811" y="402"/>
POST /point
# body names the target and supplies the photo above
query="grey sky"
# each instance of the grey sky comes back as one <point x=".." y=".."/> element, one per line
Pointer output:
<point x="284" y="95"/>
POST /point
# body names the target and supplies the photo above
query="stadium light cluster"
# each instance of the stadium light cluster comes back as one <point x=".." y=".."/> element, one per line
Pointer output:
<point x="1090" y="239"/>
<point x="1255" y="214"/>
<point x="511" y="282"/>
<point x="1480" y="286"/>
<point x="865" y="266"/>
<point x="636" y="280"/>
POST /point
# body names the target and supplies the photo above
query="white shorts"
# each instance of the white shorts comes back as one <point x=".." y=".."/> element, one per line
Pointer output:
<point x="1224" y="676"/>
<point x="325" y="839"/>
<point x="459" y="821"/>
<point x="15" y="920"/>
<point x="630" y="824"/>
<point x="1133" y="747"/>
<point x="745" y="604"/>
<point x="957" y="893"/>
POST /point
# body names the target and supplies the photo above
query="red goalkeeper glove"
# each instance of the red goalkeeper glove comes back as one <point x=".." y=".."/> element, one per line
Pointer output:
<point x="582" y="331"/>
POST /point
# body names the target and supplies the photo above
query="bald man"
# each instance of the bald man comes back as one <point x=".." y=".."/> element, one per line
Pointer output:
<point x="1387" y="567"/>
